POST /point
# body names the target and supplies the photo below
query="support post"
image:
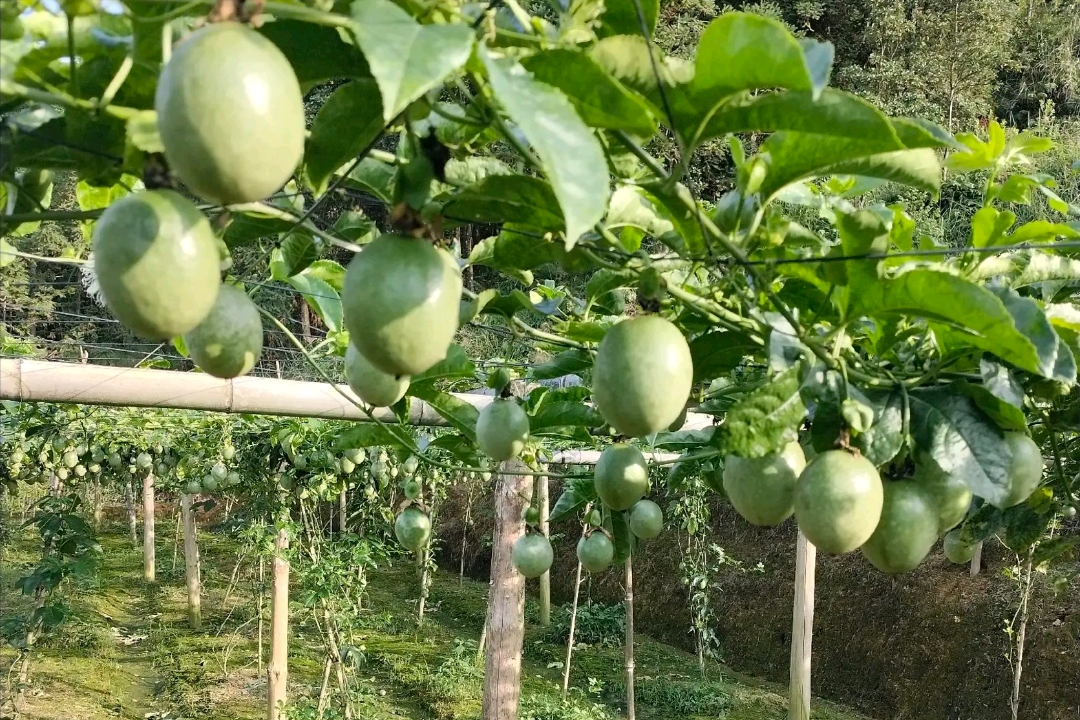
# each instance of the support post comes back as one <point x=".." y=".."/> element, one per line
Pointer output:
<point x="631" y="710"/>
<point x="149" y="557"/>
<point x="343" y="510"/>
<point x="191" y="562"/>
<point x="506" y="597"/>
<point x="976" y="560"/>
<point x="129" y="500"/>
<point x="802" y="629"/>
<point x="277" y="670"/>
<point x="545" y="579"/>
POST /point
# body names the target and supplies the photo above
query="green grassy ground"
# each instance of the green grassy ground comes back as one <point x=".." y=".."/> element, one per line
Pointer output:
<point x="128" y="652"/>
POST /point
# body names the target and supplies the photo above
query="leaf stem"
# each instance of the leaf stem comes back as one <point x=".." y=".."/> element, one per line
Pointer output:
<point x="265" y="209"/>
<point x="10" y="87"/>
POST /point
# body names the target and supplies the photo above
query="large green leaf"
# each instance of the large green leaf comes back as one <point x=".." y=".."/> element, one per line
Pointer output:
<point x="523" y="199"/>
<point x="562" y="414"/>
<point x="316" y="52"/>
<point x="833" y="112"/>
<point x="599" y="99"/>
<point x="569" y="362"/>
<point x="456" y="364"/>
<point x="369" y="434"/>
<point x="349" y="121"/>
<point x="717" y="353"/>
<point x="406" y="58"/>
<point x="766" y="419"/>
<point x="457" y="412"/>
<point x="298" y="251"/>
<point x="1042" y="266"/>
<point x="459" y="446"/>
<point x="1055" y="358"/>
<point x="794" y="156"/>
<point x="570" y="155"/>
<point x="962" y="440"/>
<point x="576" y="495"/>
<point x="741" y="51"/>
<point x="944" y="298"/>
<point x="621" y="17"/>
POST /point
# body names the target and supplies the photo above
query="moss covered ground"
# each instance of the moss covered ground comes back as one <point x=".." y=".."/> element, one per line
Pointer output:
<point x="128" y="652"/>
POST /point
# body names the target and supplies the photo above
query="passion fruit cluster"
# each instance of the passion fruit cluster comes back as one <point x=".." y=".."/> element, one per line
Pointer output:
<point x="841" y="503"/>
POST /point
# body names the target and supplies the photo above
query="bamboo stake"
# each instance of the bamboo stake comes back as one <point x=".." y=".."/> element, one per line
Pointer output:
<point x="277" y="671"/>
<point x="570" y="640"/>
<point x="629" y="649"/>
<point x="191" y="563"/>
<point x="545" y="579"/>
<point x="129" y="500"/>
<point x="149" y="550"/>
<point x="802" y="629"/>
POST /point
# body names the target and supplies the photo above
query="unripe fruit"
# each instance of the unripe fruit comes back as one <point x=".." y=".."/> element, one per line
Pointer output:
<point x="1025" y="468"/>
<point x="907" y="530"/>
<point x="948" y="493"/>
<point x="621" y="477"/>
<point x="532" y="555"/>
<point x="838" y="501"/>
<point x="371" y="384"/>
<point x="642" y="375"/>
<point x="646" y="519"/>
<point x="412" y="528"/>
<point x="956" y="550"/>
<point x="231" y="114"/>
<point x="762" y="490"/>
<point x="502" y="429"/>
<point x="595" y="552"/>
<point x="411" y="489"/>
<point x="228" y="341"/>
<point x="401" y="300"/>
<point x="156" y="261"/>
<point x="193" y="487"/>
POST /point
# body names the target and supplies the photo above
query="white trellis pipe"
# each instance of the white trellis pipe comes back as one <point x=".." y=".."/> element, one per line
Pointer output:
<point x="52" y="381"/>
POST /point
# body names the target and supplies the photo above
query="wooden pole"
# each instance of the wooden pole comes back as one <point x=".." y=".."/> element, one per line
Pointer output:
<point x="52" y="381"/>
<point x="802" y="629"/>
<point x="191" y="562"/>
<point x="631" y="710"/>
<point x="129" y="501"/>
<point x="149" y="564"/>
<point x="277" y="671"/>
<point x="506" y="598"/>
<point x="545" y="579"/>
<point x="570" y="639"/>
<point x="343" y="509"/>
<point x="976" y="560"/>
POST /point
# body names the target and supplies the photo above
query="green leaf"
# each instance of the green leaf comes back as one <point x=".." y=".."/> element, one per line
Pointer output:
<point x="683" y="439"/>
<point x="563" y="414"/>
<point x="883" y="440"/>
<point x="457" y="412"/>
<point x="329" y="271"/>
<point x="796" y="156"/>
<point x="766" y="419"/>
<point x="718" y="353"/>
<point x="600" y="100"/>
<point x="982" y="524"/>
<point x="322" y="298"/>
<point x="349" y="121"/>
<point x="962" y="440"/>
<point x="354" y="225"/>
<point x="1006" y="415"/>
<point x="471" y="308"/>
<point x="406" y="58"/>
<point x="1042" y="267"/>
<point x="988" y="226"/>
<point x="570" y="155"/>
<point x="7" y="253"/>
<point x="459" y="446"/>
<point x="1052" y="549"/>
<point x="317" y="53"/>
<point x="456" y="364"/>
<point x="1024" y="527"/>
<point x="142" y="132"/>
<point x="369" y="434"/>
<point x="577" y="494"/>
<point x="1042" y="231"/>
<point x="833" y="112"/>
<point x="987" y="323"/>
<point x="570" y="362"/>
<point x="245" y="227"/>
<point x="741" y="51"/>
<point x="375" y="177"/>
<point x="298" y="251"/>
<point x="604" y="281"/>
<point x="521" y="199"/>
<point x="1055" y="358"/>
<point x="621" y="17"/>
<point x="674" y="204"/>
<point x="474" y="168"/>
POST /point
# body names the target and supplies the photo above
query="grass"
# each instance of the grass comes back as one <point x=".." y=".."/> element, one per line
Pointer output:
<point x="128" y="652"/>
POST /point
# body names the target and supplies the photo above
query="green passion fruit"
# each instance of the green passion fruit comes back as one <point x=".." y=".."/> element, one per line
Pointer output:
<point x="231" y="114"/>
<point x="156" y="261"/>
<point x="1025" y="468"/>
<point x="502" y="429"/>
<point x="531" y="516"/>
<point x="762" y="490"/>
<point x="401" y="300"/>
<point x="371" y="384"/>
<point x="411" y="489"/>
<point x="948" y="493"/>
<point x="193" y="487"/>
<point x="228" y="342"/>
<point x="908" y="528"/>
<point x="532" y="555"/>
<point x="838" y="501"/>
<point x="621" y="477"/>
<point x="642" y="375"/>
<point x="412" y="528"/>
<point x="595" y="552"/>
<point x="956" y="550"/>
<point x="646" y="519"/>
